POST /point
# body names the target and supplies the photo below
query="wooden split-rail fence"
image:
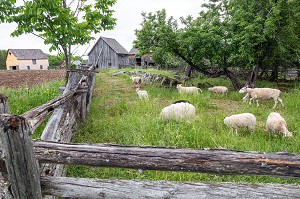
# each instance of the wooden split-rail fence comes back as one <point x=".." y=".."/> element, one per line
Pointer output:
<point x="34" y="168"/>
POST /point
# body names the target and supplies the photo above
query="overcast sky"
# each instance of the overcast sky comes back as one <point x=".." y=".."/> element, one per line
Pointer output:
<point x="128" y="14"/>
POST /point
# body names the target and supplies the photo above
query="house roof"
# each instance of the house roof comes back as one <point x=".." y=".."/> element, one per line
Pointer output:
<point x="28" y="53"/>
<point x="116" y="46"/>
<point x="134" y="51"/>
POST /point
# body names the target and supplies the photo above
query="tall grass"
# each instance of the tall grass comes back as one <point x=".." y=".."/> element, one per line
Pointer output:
<point x="117" y="115"/>
<point x="23" y="99"/>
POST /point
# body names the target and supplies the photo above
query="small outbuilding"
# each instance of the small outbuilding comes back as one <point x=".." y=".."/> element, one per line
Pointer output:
<point x="136" y="59"/>
<point x="108" y="53"/>
<point x="26" y="59"/>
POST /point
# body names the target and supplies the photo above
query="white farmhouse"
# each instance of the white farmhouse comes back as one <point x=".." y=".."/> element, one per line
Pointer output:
<point x="26" y="59"/>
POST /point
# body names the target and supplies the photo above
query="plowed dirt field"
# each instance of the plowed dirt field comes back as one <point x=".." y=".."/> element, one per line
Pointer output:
<point x="29" y="78"/>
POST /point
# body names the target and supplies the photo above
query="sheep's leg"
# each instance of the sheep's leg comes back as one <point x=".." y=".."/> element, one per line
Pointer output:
<point x="275" y="103"/>
<point x="281" y="102"/>
<point x="250" y="101"/>
<point x="257" y="103"/>
<point x="236" y="133"/>
<point x="244" y="98"/>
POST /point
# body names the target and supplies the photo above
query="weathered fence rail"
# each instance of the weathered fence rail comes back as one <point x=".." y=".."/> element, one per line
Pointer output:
<point x="34" y="167"/>
<point x="216" y="161"/>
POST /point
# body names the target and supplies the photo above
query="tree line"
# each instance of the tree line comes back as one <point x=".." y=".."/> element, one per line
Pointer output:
<point x="228" y="35"/>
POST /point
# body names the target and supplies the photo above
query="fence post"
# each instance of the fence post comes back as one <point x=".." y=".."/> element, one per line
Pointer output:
<point x="4" y="107"/>
<point x="22" y="167"/>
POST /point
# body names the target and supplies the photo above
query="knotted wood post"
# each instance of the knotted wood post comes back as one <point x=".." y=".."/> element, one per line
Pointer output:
<point x="21" y="165"/>
<point x="4" y="107"/>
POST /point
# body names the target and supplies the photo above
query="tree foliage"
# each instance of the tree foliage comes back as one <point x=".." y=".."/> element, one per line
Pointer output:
<point x="3" y="59"/>
<point x="243" y="34"/>
<point x="60" y="23"/>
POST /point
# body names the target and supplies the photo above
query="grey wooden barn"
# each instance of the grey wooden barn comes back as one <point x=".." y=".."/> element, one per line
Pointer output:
<point x="108" y="53"/>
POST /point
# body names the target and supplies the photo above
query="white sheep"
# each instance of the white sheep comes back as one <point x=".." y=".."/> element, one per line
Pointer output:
<point x="188" y="90"/>
<point x="243" y="120"/>
<point x="276" y="123"/>
<point x="136" y="79"/>
<point x="178" y="112"/>
<point x="218" y="89"/>
<point x="142" y="94"/>
<point x="261" y="93"/>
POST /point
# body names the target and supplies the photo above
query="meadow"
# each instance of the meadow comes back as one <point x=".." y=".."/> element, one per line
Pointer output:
<point x="118" y="116"/>
<point x="24" y="99"/>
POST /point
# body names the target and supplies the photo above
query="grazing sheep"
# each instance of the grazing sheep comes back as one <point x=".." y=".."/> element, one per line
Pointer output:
<point x="178" y="112"/>
<point x="181" y="101"/>
<point x="243" y="120"/>
<point x="261" y="93"/>
<point x="218" y="89"/>
<point x="136" y="80"/>
<point x="276" y="123"/>
<point x="188" y="90"/>
<point x="142" y="94"/>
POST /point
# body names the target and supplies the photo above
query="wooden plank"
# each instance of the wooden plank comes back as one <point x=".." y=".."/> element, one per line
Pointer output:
<point x="217" y="161"/>
<point x="111" y="189"/>
<point x="4" y="107"/>
<point x="22" y="167"/>
<point x="38" y="114"/>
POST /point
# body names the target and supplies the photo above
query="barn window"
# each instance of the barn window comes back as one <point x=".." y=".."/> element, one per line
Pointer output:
<point x="41" y="66"/>
<point x="34" y="61"/>
<point x="28" y="67"/>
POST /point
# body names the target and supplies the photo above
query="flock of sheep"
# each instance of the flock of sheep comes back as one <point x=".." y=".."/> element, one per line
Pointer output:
<point x="183" y="110"/>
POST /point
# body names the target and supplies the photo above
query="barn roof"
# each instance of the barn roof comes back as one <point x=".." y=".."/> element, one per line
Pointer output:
<point x="116" y="46"/>
<point x="28" y="53"/>
<point x="134" y="51"/>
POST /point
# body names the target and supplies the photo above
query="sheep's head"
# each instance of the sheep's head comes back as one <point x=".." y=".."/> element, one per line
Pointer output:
<point x="243" y="90"/>
<point x="179" y="85"/>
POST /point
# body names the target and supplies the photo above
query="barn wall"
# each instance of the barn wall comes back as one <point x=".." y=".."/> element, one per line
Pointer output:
<point x="108" y="58"/>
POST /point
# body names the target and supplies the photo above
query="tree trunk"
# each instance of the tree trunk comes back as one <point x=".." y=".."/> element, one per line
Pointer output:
<point x="252" y="76"/>
<point x="274" y="74"/>
<point x="233" y="78"/>
<point x="188" y="71"/>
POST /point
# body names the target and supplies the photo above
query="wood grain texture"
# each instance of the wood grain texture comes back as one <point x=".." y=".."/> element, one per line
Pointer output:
<point x="217" y="161"/>
<point x="22" y="167"/>
<point x="128" y="189"/>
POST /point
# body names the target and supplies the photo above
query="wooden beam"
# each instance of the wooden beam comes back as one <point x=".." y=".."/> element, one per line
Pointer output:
<point x="22" y="167"/>
<point x="112" y="188"/>
<point x="4" y="107"/>
<point x="217" y="161"/>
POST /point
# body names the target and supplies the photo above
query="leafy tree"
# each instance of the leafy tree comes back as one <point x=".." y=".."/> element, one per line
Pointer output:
<point x="60" y="23"/>
<point x="3" y="59"/>
<point x="265" y="34"/>
<point x="54" y="61"/>
<point x="243" y="34"/>
<point x="199" y="43"/>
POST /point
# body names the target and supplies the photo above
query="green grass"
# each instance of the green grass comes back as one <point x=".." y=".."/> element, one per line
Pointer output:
<point x="24" y="99"/>
<point x="117" y="115"/>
